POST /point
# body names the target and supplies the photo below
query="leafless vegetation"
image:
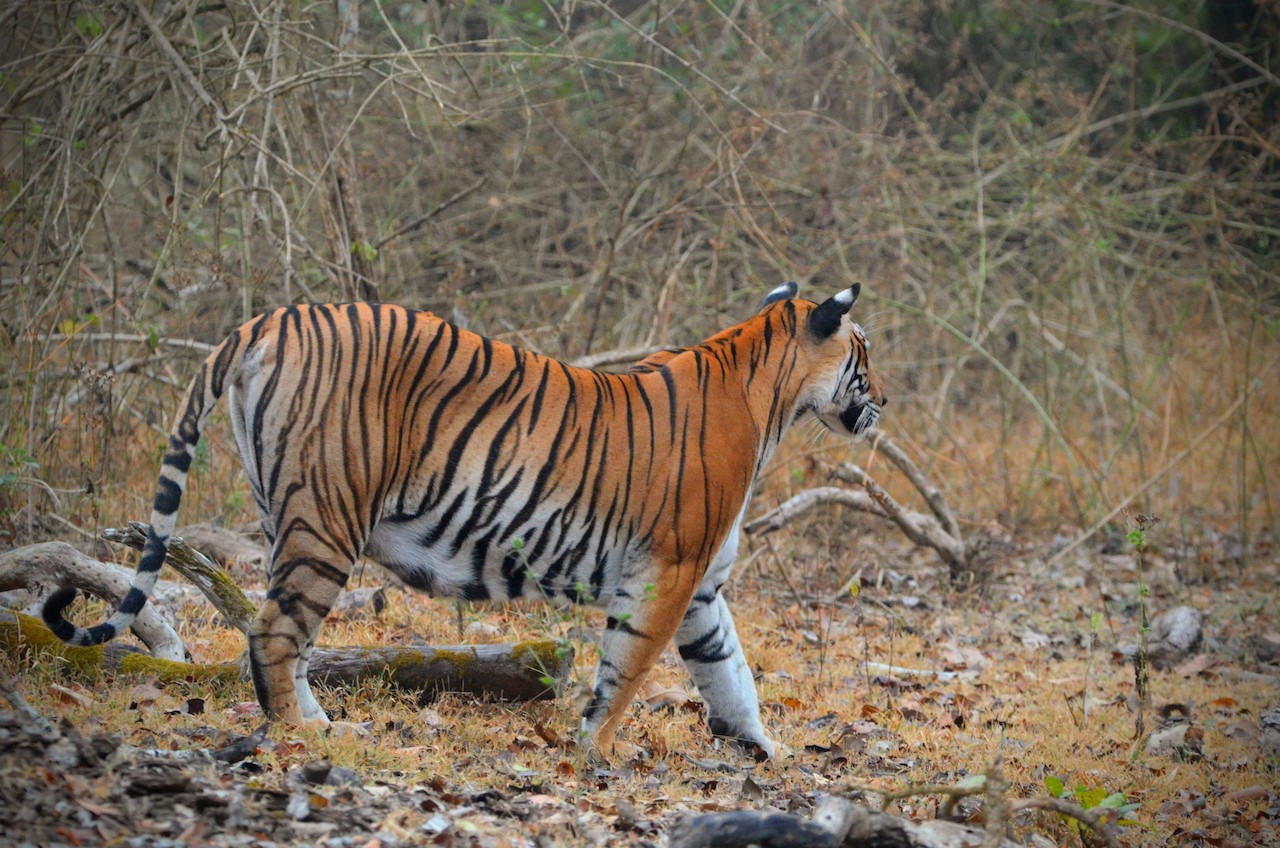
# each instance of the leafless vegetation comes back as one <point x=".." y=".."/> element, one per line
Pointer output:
<point x="1063" y="214"/>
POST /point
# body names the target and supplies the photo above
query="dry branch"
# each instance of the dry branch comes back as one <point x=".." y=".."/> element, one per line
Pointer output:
<point x="211" y="580"/>
<point x="793" y="508"/>
<point x="939" y="531"/>
<point x="606" y="358"/>
<point x="42" y="568"/>
<point x="922" y="529"/>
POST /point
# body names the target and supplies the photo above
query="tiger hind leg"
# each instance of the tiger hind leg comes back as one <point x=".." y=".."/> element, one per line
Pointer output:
<point x="305" y="582"/>
<point x="711" y="652"/>
<point x="641" y="621"/>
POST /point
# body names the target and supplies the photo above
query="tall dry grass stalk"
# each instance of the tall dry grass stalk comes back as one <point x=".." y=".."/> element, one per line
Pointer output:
<point x="1064" y="218"/>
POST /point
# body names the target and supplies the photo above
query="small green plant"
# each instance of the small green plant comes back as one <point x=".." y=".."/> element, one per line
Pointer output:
<point x="1137" y="537"/>
<point x="1111" y="807"/>
<point x="564" y="647"/>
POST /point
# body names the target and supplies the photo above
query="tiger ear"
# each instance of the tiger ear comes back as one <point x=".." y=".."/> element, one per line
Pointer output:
<point x="825" y="320"/>
<point x="786" y="291"/>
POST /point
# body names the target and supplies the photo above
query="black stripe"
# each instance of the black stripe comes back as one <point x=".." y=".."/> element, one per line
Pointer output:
<point x="168" y="496"/>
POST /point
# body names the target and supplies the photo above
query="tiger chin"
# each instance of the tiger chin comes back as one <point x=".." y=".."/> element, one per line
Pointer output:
<point x="378" y="431"/>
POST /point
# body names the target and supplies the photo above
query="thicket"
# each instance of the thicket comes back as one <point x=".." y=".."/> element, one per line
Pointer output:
<point x="1064" y="215"/>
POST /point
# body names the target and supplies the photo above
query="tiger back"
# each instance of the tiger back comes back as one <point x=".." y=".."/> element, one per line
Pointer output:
<point x="475" y="469"/>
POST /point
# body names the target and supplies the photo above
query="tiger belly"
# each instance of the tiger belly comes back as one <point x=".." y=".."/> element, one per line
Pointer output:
<point x="555" y="560"/>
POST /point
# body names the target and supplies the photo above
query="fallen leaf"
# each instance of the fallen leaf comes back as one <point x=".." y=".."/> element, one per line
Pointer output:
<point x="66" y="695"/>
<point x="144" y="695"/>
<point x="658" y="696"/>
<point x="1199" y="664"/>
<point x="549" y="735"/>
<point x="1257" y="792"/>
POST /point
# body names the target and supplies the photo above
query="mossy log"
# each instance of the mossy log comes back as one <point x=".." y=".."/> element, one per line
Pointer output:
<point x="517" y="672"/>
<point x="44" y="567"/>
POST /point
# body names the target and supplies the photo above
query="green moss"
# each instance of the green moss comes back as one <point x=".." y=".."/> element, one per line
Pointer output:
<point x="170" y="671"/>
<point x="460" y="660"/>
<point x="20" y="632"/>
<point x="544" y="654"/>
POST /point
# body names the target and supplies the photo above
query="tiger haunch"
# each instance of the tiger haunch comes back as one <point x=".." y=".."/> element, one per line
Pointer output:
<point x="479" y="470"/>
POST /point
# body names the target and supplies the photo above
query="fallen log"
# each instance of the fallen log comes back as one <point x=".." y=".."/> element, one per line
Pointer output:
<point x="520" y="671"/>
<point x="44" y="567"/>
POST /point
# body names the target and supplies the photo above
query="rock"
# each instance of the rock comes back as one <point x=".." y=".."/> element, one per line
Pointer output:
<point x="1175" y="635"/>
<point x="1178" y="737"/>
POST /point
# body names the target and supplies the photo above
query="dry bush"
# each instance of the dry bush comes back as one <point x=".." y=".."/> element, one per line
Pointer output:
<point x="1064" y="217"/>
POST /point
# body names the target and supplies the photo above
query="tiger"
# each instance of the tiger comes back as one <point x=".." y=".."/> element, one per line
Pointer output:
<point x="479" y="470"/>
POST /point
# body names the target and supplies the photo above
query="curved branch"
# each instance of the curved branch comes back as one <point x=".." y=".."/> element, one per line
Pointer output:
<point x="211" y="580"/>
<point x="790" y="510"/>
<point x="920" y="528"/>
<point x="931" y="493"/>
<point x="47" y="566"/>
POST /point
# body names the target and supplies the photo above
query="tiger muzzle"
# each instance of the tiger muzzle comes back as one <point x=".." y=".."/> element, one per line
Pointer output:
<point x="858" y="417"/>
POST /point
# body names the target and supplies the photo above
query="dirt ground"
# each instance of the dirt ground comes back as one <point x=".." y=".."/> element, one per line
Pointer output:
<point x="1033" y="668"/>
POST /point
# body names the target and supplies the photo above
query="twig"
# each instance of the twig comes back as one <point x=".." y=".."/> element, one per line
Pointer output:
<point x="188" y="344"/>
<point x="932" y="494"/>
<point x="423" y="219"/>
<point x="1066" y="808"/>
<point x="179" y="63"/>
<point x="920" y="528"/>
<point x="605" y="358"/>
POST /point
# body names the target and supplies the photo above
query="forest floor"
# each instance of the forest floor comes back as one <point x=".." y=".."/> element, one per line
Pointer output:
<point x="1038" y="684"/>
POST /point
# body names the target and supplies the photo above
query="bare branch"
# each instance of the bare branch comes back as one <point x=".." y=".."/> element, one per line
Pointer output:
<point x="920" y="528"/>
<point x="931" y="493"/>
<point x="44" y="567"/>
<point x="211" y="580"/>
<point x="605" y="358"/>
<point x="809" y="499"/>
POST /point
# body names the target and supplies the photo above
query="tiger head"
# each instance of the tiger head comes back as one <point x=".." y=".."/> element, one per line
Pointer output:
<point x="845" y="393"/>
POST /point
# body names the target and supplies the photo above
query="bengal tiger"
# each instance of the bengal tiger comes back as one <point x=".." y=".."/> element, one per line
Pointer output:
<point x="474" y="469"/>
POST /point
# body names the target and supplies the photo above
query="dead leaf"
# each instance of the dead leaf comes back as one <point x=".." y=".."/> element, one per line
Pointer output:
<point x="144" y="695"/>
<point x="658" y="696"/>
<point x="911" y="709"/>
<point x="751" y="790"/>
<point x="549" y="735"/>
<point x="66" y="695"/>
<point x="1257" y="792"/>
<point x="1200" y="664"/>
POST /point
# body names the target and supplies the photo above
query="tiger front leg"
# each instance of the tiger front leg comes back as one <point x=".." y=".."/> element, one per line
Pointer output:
<point x="713" y="655"/>
<point x="641" y="621"/>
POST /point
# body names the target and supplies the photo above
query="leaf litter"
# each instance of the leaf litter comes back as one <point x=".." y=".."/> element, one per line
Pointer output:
<point x="862" y="694"/>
